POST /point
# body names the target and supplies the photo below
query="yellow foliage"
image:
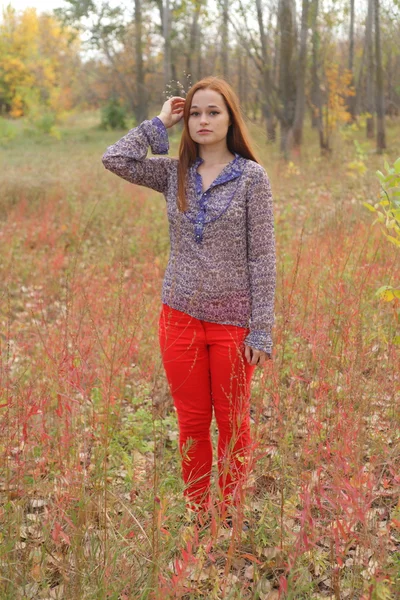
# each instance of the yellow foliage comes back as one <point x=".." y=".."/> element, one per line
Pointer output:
<point x="292" y="169"/>
<point x="17" y="107"/>
<point x="356" y="167"/>
<point x="37" y="62"/>
<point x="339" y="88"/>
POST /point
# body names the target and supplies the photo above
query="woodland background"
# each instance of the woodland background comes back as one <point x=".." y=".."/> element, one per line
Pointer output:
<point x="335" y="60"/>
<point x="91" y="503"/>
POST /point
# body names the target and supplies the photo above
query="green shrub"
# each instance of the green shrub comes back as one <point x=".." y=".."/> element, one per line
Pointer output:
<point x="387" y="212"/>
<point x="46" y="122"/>
<point x="113" y="115"/>
<point x="42" y="122"/>
<point x="7" y="131"/>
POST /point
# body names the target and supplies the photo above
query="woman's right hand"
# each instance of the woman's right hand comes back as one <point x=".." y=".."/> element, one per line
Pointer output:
<point x="172" y="111"/>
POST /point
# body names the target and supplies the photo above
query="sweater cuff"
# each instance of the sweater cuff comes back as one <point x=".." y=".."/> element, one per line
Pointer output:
<point x="157" y="136"/>
<point x="259" y="340"/>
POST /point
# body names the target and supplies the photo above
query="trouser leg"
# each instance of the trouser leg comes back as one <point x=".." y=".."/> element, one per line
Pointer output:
<point x="230" y="386"/>
<point x="186" y="363"/>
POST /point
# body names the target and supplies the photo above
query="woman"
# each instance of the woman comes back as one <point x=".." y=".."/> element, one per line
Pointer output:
<point x="218" y="289"/>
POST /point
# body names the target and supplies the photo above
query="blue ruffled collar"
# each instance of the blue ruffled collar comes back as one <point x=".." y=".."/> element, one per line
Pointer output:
<point x="231" y="171"/>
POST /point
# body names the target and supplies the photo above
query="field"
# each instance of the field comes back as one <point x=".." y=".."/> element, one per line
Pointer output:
<point x="91" y="501"/>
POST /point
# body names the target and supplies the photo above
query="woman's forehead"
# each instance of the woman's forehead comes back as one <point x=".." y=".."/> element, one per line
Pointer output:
<point x="207" y="97"/>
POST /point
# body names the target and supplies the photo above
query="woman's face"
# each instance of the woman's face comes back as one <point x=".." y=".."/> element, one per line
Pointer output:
<point x="209" y="118"/>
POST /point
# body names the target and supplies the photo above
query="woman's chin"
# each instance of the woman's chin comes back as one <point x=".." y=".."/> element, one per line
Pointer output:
<point x="205" y="141"/>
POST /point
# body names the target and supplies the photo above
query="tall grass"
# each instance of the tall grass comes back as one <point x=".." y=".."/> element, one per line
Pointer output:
<point x="91" y="502"/>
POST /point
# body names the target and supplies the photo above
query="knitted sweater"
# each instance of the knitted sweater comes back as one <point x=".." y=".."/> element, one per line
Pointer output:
<point x="221" y="266"/>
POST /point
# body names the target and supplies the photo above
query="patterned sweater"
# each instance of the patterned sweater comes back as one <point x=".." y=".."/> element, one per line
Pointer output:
<point x="221" y="266"/>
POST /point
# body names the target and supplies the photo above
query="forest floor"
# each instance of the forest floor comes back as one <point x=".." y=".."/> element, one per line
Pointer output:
<point x="91" y="503"/>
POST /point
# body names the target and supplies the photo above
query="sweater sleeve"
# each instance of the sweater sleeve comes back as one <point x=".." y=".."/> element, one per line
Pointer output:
<point x="261" y="260"/>
<point x="127" y="157"/>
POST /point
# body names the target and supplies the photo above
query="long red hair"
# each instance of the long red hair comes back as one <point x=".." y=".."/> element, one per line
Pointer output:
<point x="237" y="137"/>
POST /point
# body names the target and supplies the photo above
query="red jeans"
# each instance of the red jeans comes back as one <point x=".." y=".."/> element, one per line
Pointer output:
<point x="206" y="369"/>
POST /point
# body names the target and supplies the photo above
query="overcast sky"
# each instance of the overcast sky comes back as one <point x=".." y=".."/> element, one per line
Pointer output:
<point x="40" y="5"/>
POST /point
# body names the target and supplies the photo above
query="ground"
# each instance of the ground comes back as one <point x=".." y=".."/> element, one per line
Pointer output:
<point x="90" y="491"/>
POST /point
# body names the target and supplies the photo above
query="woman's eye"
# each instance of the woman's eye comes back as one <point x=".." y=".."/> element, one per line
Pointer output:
<point x="196" y="114"/>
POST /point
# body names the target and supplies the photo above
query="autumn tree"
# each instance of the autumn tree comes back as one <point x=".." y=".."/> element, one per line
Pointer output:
<point x="39" y="61"/>
<point x="108" y="30"/>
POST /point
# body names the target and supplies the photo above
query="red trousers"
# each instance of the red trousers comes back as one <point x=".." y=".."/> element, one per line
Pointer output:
<point x="206" y="369"/>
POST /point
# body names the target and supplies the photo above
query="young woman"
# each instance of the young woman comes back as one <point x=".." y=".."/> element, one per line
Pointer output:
<point x="218" y="289"/>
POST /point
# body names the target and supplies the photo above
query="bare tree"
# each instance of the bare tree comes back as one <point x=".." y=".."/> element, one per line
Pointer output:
<point x="301" y="77"/>
<point x="224" y="42"/>
<point x="287" y="86"/>
<point x="192" y="66"/>
<point x="243" y="77"/>
<point x="316" y="94"/>
<point x="370" y="104"/>
<point x="166" y="26"/>
<point x="315" y="86"/>
<point x="141" y="105"/>
<point x="266" y="81"/>
<point x="351" y="99"/>
<point x="246" y="38"/>
<point x="165" y="18"/>
<point x="380" y="113"/>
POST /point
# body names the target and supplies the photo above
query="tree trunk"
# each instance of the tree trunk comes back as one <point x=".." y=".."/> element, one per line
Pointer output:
<point x="241" y="85"/>
<point x="246" y="81"/>
<point x="390" y="106"/>
<point x="301" y="76"/>
<point x="166" y="21"/>
<point x="351" y="99"/>
<point x="225" y="45"/>
<point x="316" y="99"/>
<point x="199" y="63"/>
<point x="286" y="75"/>
<point x="370" y="104"/>
<point x="314" y="64"/>
<point x="141" y="108"/>
<point x="128" y="90"/>
<point x="380" y="112"/>
<point x="191" y="67"/>
<point x="359" y="99"/>
<point x="266" y="76"/>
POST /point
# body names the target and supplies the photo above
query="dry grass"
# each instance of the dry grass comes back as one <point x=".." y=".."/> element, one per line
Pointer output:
<point x="90" y="493"/>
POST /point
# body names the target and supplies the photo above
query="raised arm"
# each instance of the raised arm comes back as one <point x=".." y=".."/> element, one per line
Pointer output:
<point x="127" y="157"/>
<point x="261" y="262"/>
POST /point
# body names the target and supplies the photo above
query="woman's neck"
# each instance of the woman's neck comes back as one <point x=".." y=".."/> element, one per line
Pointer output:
<point x="215" y="154"/>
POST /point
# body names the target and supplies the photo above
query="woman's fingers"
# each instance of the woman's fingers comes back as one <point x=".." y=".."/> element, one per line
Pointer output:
<point x="261" y="359"/>
<point x="178" y="106"/>
<point x="177" y="101"/>
<point x="172" y="110"/>
<point x="255" y="357"/>
<point x="247" y="353"/>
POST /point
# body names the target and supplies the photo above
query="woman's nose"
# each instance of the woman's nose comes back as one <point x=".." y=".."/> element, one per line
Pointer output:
<point x="203" y="120"/>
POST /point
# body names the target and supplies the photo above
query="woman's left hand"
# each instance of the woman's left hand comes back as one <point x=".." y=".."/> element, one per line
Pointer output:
<point x="255" y="357"/>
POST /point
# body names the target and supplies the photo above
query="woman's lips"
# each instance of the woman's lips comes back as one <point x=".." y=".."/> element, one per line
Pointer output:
<point x="204" y="131"/>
